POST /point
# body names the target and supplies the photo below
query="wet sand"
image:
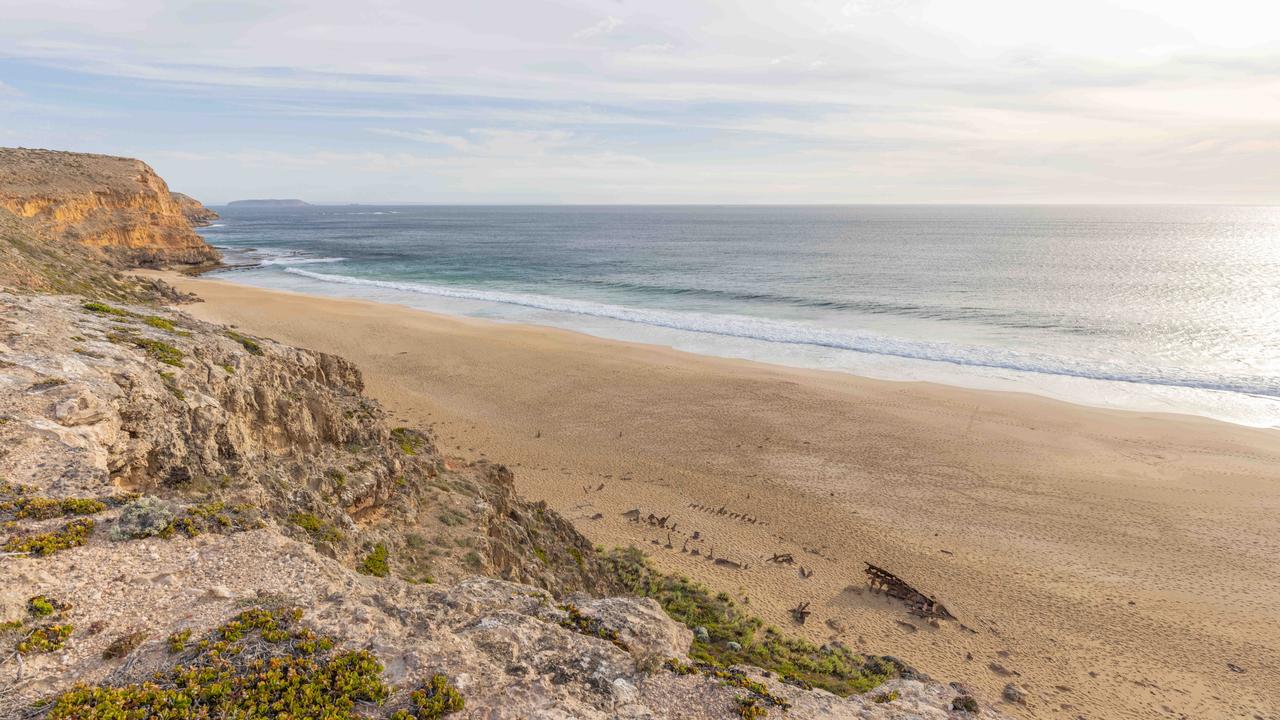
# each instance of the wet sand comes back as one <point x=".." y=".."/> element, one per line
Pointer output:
<point x="1111" y="563"/>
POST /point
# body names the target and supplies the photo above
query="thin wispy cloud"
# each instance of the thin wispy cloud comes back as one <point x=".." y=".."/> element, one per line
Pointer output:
<point x="824" y="101"/>
<point x="604" y="27"/>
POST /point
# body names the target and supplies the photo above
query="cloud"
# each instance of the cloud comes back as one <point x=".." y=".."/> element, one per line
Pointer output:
<point x="604" y="27"/>
<point x="426" y="136"/>
<point x="822" y="94"/>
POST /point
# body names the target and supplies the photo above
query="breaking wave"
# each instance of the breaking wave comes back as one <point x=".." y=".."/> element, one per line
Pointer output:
<point x="796" y="333"/>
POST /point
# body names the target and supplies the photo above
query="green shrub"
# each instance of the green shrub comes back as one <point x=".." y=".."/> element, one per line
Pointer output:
<point x="410" y="441"/>
<point x="158" y="322"/>
<point x="71" y="535"/>
<point x="215" y="517"/>
<point x="164" y="352"/>
<point x="473" y="560"/>
<point x="103" y="309"/>
<point x="45" y="639"/>
<point x="732" y="677"/>
<point x="748" y="707"/>
<point x="320" y="530"/>
<point x="259" y="665"/>
<point x="831" y="667"/>
<point x="177" y="640"/>
<point x="576" y="621"/>
<point x="41" y="508"/>
<point x="434" y="700"/>
<point x="375" y="563"/>
<point x="40" y="606"/>
<point x="452" y="517"/>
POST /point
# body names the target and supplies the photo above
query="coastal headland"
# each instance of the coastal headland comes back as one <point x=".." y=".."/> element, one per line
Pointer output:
<point x="1114" y="564"/>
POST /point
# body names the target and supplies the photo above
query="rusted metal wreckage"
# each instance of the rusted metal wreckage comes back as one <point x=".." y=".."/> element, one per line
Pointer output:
<point x="925" y="606"/>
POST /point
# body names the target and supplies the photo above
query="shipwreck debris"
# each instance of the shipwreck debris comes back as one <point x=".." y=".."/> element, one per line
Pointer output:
<point x="925" y="606"/>
<point x="801" y="612"/>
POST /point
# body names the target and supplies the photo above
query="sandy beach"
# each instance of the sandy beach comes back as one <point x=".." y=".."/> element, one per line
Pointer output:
<point x="1115" y="564"/>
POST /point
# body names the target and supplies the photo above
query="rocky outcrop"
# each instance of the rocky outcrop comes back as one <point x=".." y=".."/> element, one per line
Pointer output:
<point x="31" y="261"/>
<point x="161" y="474"/>
<point x="195" y="212"/>
<point x="154" y="402"/>
<point x="119" y="206"/>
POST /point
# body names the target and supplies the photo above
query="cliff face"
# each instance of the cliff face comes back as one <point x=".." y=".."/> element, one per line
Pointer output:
<point x="158" y="475"/>
<point x="196" y="213"/>
<point x="31" y="261"/>
<point x="118" y="205"/>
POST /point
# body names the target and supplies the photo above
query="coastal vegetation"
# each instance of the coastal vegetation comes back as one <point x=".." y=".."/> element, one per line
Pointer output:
<point x="249" y="344"/>
<point x="375" y="563"/>
<point x="73" y="534"/>
<point x="725" y="635"/>
<point x="261" y="664"/>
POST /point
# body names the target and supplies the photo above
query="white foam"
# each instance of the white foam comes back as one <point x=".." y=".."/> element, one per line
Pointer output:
<point x="295" y="260"/>
<point x="796" y="333"/>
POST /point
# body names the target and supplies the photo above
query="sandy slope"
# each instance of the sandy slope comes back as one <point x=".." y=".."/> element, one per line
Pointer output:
<point x="1115" y="562"/>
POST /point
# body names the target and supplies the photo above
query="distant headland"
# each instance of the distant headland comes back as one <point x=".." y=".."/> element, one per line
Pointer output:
<point x="268" y="203"/>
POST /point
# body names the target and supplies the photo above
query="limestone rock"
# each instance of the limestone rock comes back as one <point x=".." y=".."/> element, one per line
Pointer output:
<point x="195" y="213"/>
<point x="118" y="205"/>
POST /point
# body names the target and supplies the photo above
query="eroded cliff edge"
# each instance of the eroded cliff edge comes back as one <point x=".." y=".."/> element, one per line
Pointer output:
<point x="116" y="205"/>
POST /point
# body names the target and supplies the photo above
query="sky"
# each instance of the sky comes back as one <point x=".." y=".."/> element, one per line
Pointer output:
<point x="660" y="101"/>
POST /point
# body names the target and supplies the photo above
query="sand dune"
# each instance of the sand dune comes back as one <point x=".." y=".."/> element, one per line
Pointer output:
<point x="1112" y="563"/>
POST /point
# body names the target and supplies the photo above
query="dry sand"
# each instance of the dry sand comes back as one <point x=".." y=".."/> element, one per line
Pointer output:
<point x="1111" y="563"/>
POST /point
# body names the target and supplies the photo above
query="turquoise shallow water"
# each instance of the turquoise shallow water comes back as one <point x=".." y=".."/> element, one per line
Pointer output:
<point x="1151" y="307"/>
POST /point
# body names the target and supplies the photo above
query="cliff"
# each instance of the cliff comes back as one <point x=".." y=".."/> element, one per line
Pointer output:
<point x="31" y="261"/>
<point x="190" y="506"/>
<point x="116" y="205"/>
<point x="195" y="212"/>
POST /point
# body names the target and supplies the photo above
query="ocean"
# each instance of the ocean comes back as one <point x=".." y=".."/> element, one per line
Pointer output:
<point x="1152" y="308"/>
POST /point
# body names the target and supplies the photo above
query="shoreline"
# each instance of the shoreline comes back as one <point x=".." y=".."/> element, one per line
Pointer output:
<point x="1035" y="520"/>
<point x="1098" y="388"/>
